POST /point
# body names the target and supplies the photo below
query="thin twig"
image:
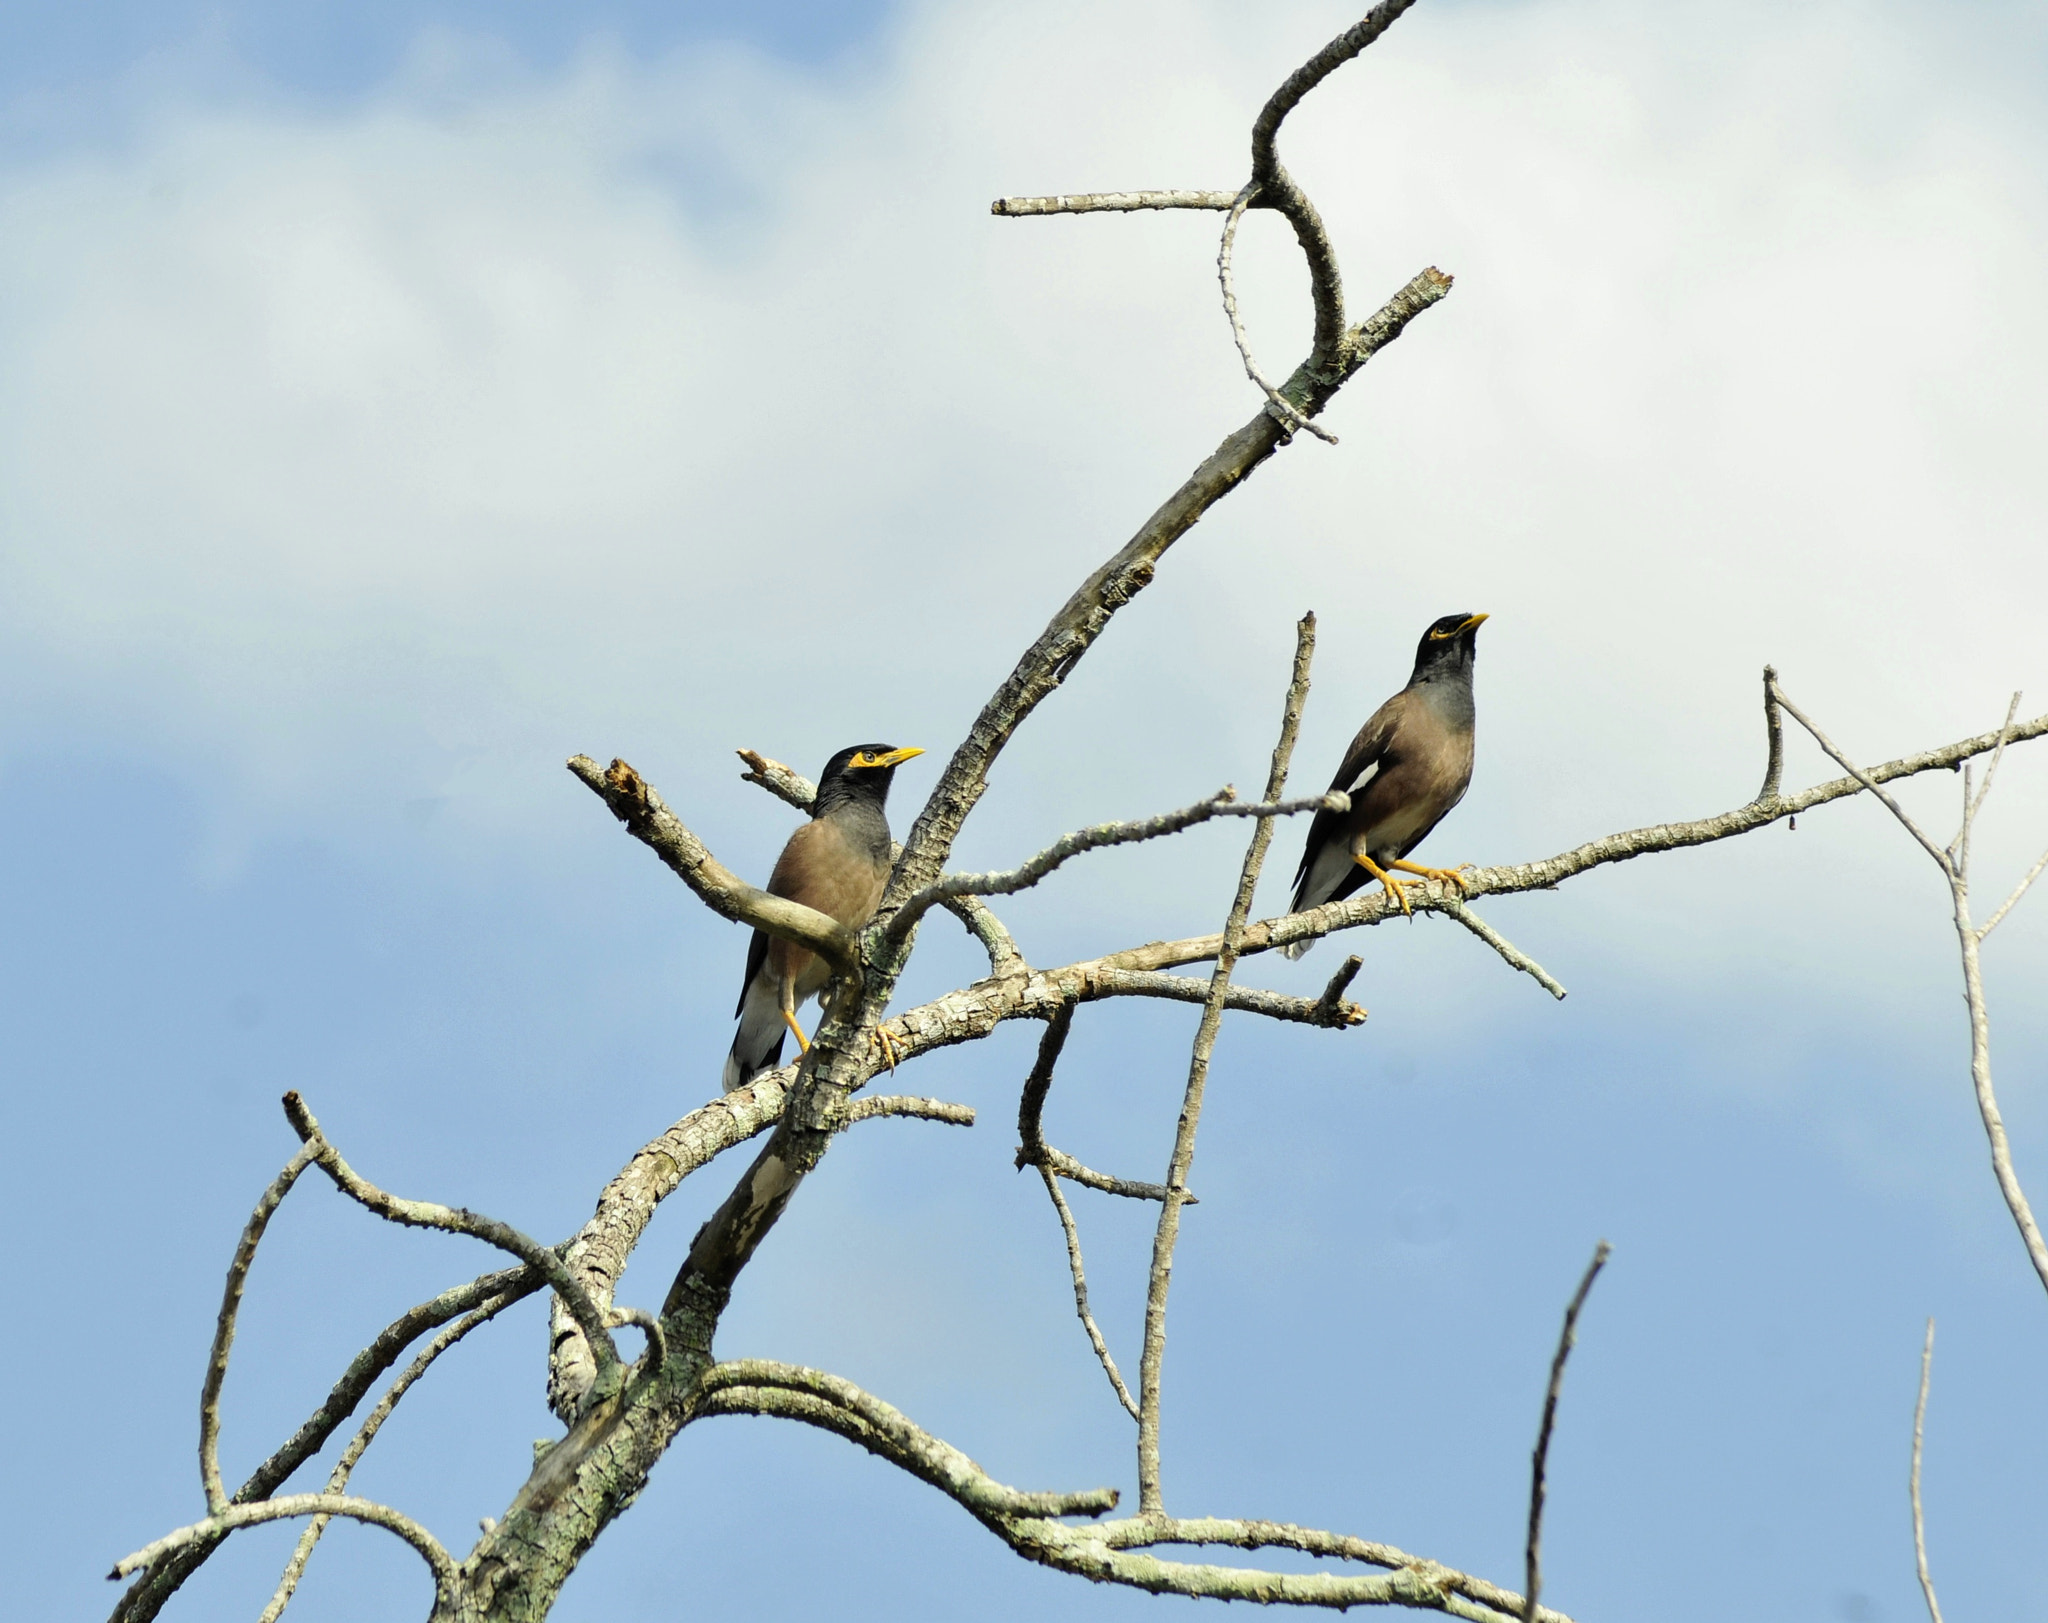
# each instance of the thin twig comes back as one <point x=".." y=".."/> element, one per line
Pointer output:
<point x="1167" y="1235"/>
<point x="1972" y="807"/>
<point x="1073" y="1234"/>
<point x="1224" y="803"/>
<point x="1540" y="1460"/>
<point x="1288" y="413"/>
<point x="1941" y="857"/>
<point x="295" y="1568"/>
<point x="1455" y="908"/>
<point x="224" y="1328"/>
<point x="456" y="1220"/>
<point x="1919" y="1526"/>
<point x="1109" y="202"/>
<point x="2019" y="890"/>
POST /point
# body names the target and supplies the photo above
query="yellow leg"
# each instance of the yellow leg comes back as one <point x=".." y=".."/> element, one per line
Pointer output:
<point x="889" y="1050"/>
<point x="1443" y="876"/>
<point x="803" y="1043"/>
<point x="1394" y="887"/>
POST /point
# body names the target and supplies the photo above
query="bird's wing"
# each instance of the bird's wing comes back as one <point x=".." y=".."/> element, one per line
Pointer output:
<point x="1361" y="764"/>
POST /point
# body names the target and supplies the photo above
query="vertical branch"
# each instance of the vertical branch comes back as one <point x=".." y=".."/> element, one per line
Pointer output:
<point x="1919" y="1526"/>
<point x="224" y="1329"/>
<point x="1980" y="1080"/>
<point x="1167" y="1235"/>
<point x="1540" y="1461"/>
<point x="1774" y="733"/>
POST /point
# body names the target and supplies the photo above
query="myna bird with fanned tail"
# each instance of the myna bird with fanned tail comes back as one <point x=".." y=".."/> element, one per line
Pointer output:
<point x="838" y="863"/>
<point x="1408" y="766"/>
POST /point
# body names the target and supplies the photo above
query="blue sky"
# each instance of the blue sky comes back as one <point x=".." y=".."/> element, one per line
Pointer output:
<point x="396" y="401"/>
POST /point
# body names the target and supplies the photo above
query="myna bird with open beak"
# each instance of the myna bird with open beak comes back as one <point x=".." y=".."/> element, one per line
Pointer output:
<point x="838" y="863"/>
<point x="1407" y="767"/>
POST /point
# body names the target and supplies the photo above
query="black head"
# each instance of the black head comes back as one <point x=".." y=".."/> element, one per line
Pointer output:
<point x="861" y="771"/>
<point x="1447" y="648"/>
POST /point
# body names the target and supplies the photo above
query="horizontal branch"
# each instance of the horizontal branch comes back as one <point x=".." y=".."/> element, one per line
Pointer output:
<point x="1146" y="1532"/>
<point x="1332" y="1013"/>
<point x="1107" y="1552"/>
<point x="647" y="818"/>
<point x="1373" y="906"/>
<point x="1110" y="202"/>
<point x="1224" y="803"/>
<point x="457" y="1220"/>
<point x="291" y="1507"/>
<point x="904" y="1105"/>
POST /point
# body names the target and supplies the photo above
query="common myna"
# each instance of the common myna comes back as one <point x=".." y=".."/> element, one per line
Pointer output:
<point x="1407" y="767"/>
<point x="838" y="863"/>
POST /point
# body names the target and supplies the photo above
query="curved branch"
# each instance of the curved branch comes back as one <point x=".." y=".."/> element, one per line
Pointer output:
<point x="366" y="1434"/>
<point x="885" y="1431"/>
<point x="1277" y="188"/>
<point x="647" y="818"/>
<point x="1274" y="399"/>
<point x="146" y="1597"/>
<point x="1540" y="1460"/>
<point x="455" y="1220"/>
<point x="224" y="1327"/>
<point x="292" y="1506"/>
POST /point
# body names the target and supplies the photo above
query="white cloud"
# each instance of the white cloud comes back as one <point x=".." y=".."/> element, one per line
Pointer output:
<point x="661" y="407"/>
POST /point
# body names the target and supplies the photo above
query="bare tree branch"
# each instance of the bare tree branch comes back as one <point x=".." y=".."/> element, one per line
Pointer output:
<point x="1540" y="1460"/>
<point x="1277" y="189"/>
<point x="1452" y="906"/>
<point x="1941" y="858"/>
<point x="1954" y="865"/>
<point x="146" y="1597"/>
<point x="904" y="1105"/>
<point x="1224" y="803"/>
<point x="633" y="801"/>
<point x="2019" y="890"/>
<point x="1919" y="1525"/>
<point x="1086" y="614"/>
<point x="455" y="1220"/>
<point x="902" y="1442"/>
<point x="224" y="1328"/>
<point x="1109" y="202"/>
<point x="1080" y="1273"/>
<point x="373" y="1422"/>
<point x="1774" y="735"/>
<point x="1166" y="1236"/>
<point x="304" y="1504"/>
<point x="1275" y="401"/>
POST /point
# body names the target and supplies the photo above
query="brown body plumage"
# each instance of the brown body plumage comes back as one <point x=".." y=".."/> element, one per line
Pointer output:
<point x="1407" y="767"/>
<point x="838" y="863"/>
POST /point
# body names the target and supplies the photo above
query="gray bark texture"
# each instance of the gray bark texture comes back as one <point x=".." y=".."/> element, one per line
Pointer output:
<point x="620" y="1418"/>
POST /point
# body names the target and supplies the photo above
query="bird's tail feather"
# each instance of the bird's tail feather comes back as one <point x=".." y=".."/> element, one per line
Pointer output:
<point x="757" y="1045"/>
<point x="1294" y="949"/>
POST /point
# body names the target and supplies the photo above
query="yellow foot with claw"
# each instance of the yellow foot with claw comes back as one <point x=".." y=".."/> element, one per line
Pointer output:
<point x="889" y="1049"/>
<point x="1443" y="876"/>
<point x="1394" y="886"/>
<point x="803" y="1043"/>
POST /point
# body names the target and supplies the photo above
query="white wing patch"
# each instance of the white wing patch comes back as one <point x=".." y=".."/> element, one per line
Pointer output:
<point x="1364" y="778"/>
